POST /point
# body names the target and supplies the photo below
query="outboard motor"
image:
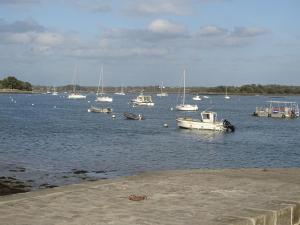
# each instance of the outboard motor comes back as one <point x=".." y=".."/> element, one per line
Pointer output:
<point x="228" y="126"/>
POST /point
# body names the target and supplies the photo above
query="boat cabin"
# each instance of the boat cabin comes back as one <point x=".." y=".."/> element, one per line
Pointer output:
<point x="208" y="117"/>
<point x="144" y="98"/>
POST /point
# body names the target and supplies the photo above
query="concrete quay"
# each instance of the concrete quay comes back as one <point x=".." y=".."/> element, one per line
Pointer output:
<point x="208" y="197"/>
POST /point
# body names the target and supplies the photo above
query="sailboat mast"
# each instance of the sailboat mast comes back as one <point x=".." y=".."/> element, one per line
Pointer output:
<point x="99" y="82"/>
<point x="74" y="81"/>
<point x="183" y="100"/>
<point x="102" y="79"/>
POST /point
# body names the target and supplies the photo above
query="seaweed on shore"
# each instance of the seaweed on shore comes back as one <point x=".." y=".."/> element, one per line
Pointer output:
<point x="10" y="185"/>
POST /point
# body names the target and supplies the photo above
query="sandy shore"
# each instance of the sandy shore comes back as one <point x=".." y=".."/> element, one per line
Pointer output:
<point x="241" y="196"/>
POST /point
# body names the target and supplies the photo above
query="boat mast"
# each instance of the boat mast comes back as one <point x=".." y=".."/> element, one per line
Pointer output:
<point x="99" y="82"/>
<point x="74" y="81"/>
<point x="102" y="79"/>
<point x="183" y="100"/>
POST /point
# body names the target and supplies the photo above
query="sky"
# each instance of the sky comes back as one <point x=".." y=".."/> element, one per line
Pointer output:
<point x="146" y="42"/>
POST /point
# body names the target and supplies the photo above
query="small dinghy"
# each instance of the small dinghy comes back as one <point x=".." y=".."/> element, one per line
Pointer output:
<point x="132" y="116"/>
<point x="99" y="110"/>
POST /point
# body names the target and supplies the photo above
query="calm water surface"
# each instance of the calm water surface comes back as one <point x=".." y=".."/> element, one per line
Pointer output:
<point x="50" y="136"/>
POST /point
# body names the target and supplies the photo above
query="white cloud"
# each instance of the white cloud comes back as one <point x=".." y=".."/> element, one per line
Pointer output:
<point x="249" y="31"/>
<point x="212" y="31"/>
<point x="166" y="27"/>
<point x="159" y="7"/>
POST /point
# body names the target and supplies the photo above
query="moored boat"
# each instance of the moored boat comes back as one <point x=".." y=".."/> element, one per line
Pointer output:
<point x="143" y="100"/>
<point x="99" y="110"/>
<point x="197" y="98"/>
<point x="278" y="109"/>
<point x="183" y="106"/>
<point x="208" y="121"/>
<point x="133" y="116"/>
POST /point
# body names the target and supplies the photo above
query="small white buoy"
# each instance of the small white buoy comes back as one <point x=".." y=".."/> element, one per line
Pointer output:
<point x="89" y="101"/>
<point x="166" y="125"/>
<point x="32" y="104"/>
<point x="54" y="107"/>
<point x="171" y="108"/>
<point x="113" y="116"/>
<point x="89" y="110"/>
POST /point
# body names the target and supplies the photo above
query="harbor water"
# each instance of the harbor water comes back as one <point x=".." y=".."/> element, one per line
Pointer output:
<point x="54" y="140"/>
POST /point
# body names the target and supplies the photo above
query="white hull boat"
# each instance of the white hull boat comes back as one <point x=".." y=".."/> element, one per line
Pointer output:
<point x="197" y="98"/>
<point x="226" y="96"/>
<point x="100" y="95"/>
<point x="183" y="106"/>
<point x="278" y="109"/>
<point x="76" y="96"/>
<point x="187" y="107"/>
<point x="162" y="94"/>
<point x="143" y="100"/>
<point x="104" y="99"/>
<point x="208" y="121"/>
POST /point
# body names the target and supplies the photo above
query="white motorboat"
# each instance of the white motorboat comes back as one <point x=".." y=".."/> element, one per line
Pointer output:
<point x="183" y="106"/>
<point x="74" y="95"/>
<point x="197" y="98"/>
<point x="162" y="94"/>
<point x="278" y="109"/>
<point x="205" y="96"/>
<point x="143" y="100"/>
<point x="101" y="97"/>
<point x="208" y="121"/>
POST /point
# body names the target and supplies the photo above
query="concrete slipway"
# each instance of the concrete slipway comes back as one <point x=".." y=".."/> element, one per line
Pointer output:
<point x="230" y="196"/>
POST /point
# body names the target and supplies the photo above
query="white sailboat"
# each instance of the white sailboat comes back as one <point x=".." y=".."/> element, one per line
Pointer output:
<point x="162" y="94"/>
<point x="100" y="96"/>
<point x="183" y="106"/>
<point x="74" y="95"/>
<point x="121" y="92"/>
<point x="54" y="91"/>
<point x="226" y="96"/>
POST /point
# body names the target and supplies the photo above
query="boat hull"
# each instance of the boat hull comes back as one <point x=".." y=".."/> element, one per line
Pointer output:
<point x="76" y="96"/>
<point x="187" y="107"/>
<point x="189" y="123"/>
<point x="104" y="99"/>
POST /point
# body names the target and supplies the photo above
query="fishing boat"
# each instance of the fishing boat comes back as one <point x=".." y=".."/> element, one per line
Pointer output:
<point x="132" y="116"/>
<point x="162" y="94"/>
<point x="208" y="121"/>
<point x="278" y="109"/>
<point x="183" y="106"/>
<point x="197" y="98"/>
<point x="74" y="95"/>
<point x="99" y="110"/>
<point x="101" y="97"/>
<point x="143" y="100"/>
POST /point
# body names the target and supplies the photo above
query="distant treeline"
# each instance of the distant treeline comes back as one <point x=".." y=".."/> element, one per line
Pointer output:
<point x="244" y="89"/>
<point x="13" y="83"/>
